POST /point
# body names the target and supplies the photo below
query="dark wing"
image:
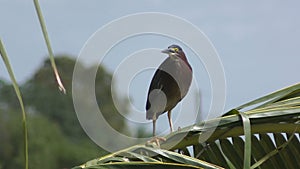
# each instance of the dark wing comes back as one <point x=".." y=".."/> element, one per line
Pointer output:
<point x="155" y="84"/>
<point x="163" y="92"/>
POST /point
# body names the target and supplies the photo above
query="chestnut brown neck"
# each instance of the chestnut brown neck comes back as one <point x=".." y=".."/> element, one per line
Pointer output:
<point x="183" y="57"/>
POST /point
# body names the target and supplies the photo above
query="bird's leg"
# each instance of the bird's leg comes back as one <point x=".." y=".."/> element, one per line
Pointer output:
<point x="170" y="121"/>
<point x="156" y="139"/>
<point x="154" y="121"/>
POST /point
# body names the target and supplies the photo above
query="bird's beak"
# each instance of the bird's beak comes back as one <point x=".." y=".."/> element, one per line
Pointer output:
<point x="167" y="51"/>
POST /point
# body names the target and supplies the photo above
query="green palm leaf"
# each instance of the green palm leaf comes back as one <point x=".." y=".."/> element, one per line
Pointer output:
<point x="148" y="157"/>
<point x="263" y="133"/>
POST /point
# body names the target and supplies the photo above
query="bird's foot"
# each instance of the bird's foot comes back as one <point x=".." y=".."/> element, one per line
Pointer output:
<point x="156" y="140"/>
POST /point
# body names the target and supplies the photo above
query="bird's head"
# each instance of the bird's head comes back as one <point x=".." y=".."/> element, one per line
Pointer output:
<point x="176" y="51"/>
<point x="173" y="50"/>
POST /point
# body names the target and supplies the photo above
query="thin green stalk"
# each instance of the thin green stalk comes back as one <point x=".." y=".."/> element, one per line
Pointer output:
<point x="46" y="37"/>
<point x="18" y="93"/>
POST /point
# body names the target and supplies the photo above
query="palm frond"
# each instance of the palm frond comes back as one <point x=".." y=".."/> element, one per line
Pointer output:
<point x="264" y="135"/>
<point x="146" y="157"/>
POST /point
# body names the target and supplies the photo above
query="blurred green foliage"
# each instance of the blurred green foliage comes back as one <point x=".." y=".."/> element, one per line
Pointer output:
<point x="55" y="135"/>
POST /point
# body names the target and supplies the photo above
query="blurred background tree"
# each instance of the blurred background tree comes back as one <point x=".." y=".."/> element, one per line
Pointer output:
<point x="55" y="135"/>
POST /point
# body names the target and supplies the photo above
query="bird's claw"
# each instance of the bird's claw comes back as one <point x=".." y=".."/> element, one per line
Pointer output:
<point x="156" y="141"/>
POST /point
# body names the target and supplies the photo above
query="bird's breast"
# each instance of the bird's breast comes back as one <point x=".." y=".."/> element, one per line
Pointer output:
<point x="182" y="75"/>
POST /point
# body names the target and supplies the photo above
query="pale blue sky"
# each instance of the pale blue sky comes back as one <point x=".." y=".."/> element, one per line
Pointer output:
<point x="257" y="41"/>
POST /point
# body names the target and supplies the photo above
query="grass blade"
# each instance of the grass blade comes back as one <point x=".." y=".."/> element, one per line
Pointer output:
<point x="18" y="93"/>
<point x="46" y="37"/>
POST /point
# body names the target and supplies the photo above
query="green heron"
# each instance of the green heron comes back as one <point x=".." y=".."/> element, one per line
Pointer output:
<point x="169" y="85"/>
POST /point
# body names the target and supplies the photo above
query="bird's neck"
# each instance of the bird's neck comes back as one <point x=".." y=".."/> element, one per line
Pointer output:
<point x="183" y="58"/>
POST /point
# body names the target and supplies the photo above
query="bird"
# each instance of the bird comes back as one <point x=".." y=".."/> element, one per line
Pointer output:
<point x="169" y="85"/>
